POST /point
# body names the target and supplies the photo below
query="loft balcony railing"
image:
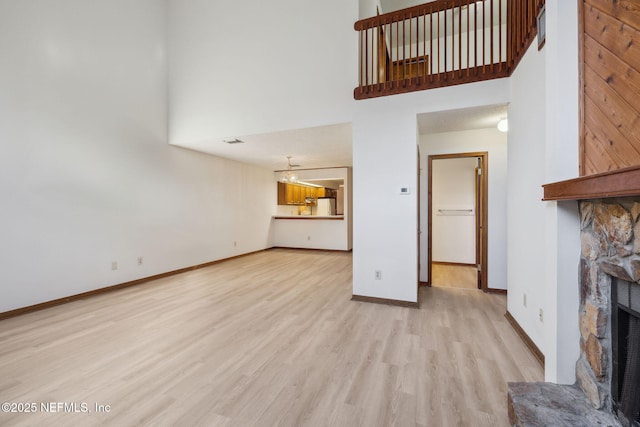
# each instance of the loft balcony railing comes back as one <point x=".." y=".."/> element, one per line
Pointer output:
<point x="443" y="43"/>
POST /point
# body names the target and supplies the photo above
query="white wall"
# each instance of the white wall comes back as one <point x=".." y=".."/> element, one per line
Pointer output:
<point x="249" y="67"/>
<point x="369" y="8"/>
<point x="453" y="191"/>
<point x="385" y="158"/>
<point x="86" y="174"/>
<point x="310" y="234"/>
<point x="385" y="222"/>
<point x="495" y="143"/>
<point x="562" y="146"/>
<point x="543" y="237"/>
<point x="526" y="225"/>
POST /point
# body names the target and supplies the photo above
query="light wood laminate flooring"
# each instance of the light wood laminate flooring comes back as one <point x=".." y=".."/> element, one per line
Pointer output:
<point x="454" y="276"/>
<point x="267" y="339"/>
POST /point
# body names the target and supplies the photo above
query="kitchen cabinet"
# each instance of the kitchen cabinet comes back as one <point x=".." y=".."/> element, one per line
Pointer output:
<point x="310" y="192"/>
<point x="294" y="194"/>
<point x="294" y="190"/>
<point x="283" y="194"/>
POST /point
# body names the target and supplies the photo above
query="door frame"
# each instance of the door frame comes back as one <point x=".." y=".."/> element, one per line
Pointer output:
<point x="482" y="203"/>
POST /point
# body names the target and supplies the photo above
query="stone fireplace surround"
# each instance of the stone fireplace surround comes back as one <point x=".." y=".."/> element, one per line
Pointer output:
<point x="610" y="239"/>
<point x="610" y="236"/>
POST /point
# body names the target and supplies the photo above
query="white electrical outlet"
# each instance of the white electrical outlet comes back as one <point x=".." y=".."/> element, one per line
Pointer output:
<point x="378" y="275"/>
<point x="140" y="260"/>
<point x="308" y="237"/>
<point x="524" y="300"/>
<point x="114" y="265"/>
<point x="235" y="243"/>
<point x="541" y="315"/>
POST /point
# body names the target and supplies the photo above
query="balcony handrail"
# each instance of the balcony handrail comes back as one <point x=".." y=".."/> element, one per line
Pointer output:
<point x="408" y="13"/>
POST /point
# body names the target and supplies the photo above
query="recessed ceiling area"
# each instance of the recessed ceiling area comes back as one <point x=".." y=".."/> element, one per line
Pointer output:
<point x="462" y="119"/>
<point x="331" y="146"/>
<point x="317" y="147"/>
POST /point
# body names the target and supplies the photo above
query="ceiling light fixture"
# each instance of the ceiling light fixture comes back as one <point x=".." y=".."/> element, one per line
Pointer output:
<point x="503" y="125"/>
<point x="288" y="175"/>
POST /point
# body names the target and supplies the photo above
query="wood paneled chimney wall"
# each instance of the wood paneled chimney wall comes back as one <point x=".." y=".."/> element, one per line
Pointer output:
<point x="610" y="137"/>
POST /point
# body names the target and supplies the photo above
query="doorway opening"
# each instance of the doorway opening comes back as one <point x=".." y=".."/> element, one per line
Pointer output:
<point x="457" y="220"/>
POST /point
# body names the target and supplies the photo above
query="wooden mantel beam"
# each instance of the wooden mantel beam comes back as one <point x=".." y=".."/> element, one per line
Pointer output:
<point x="619" y="183"/>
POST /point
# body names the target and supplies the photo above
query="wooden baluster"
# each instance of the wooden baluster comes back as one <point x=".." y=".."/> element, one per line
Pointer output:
<point x="509" y="35"/>
<point x="373" y="56"/>
<point x="508" y="39"/>
<point x="529" y="20"/>
<point x="387" y="56"/>
<point x="493" y="59"/>
<point x="484" y="39"/>
<point x="523" y="20"/>
<point x="453" y="42"/>
<point x="514" y="30"/>
<point x="468" y="37"/>
<point x="516" y="35"/>
<point x="525" y="24"/>
<point x="438" y="46"/>
<point x="445" y="38"/>
<point x="500" y="56"/>
<point x="376" y="45"/>
<point x="518" y="18"/>
<point x="379" y="55"/>
<point x="366" y="56"/>
<point x="431" y="44"/>
<point x="424" y="45"/>
<point x="460" y="40"/>
<point x="475" y="37"/>
<point x="410" y="49"/>
<point x="397" y="63"/>
<point x="404" y="52"/>
<point x="360" y="63"/>
<point x="418" y="73"/>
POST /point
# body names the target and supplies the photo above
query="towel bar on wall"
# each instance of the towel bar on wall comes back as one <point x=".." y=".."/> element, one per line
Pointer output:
<point x="455" y="212"/>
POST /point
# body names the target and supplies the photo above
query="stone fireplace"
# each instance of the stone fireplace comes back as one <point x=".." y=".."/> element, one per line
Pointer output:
<point x="608" y="371"/>
<point x="607" y="389"/>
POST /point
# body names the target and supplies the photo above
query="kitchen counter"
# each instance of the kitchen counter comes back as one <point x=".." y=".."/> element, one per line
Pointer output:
<point x="310" y="217"/>
<point x="329" y="232"/>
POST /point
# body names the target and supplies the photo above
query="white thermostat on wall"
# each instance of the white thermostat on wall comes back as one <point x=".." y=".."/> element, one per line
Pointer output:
<point x="404" y="191"/>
